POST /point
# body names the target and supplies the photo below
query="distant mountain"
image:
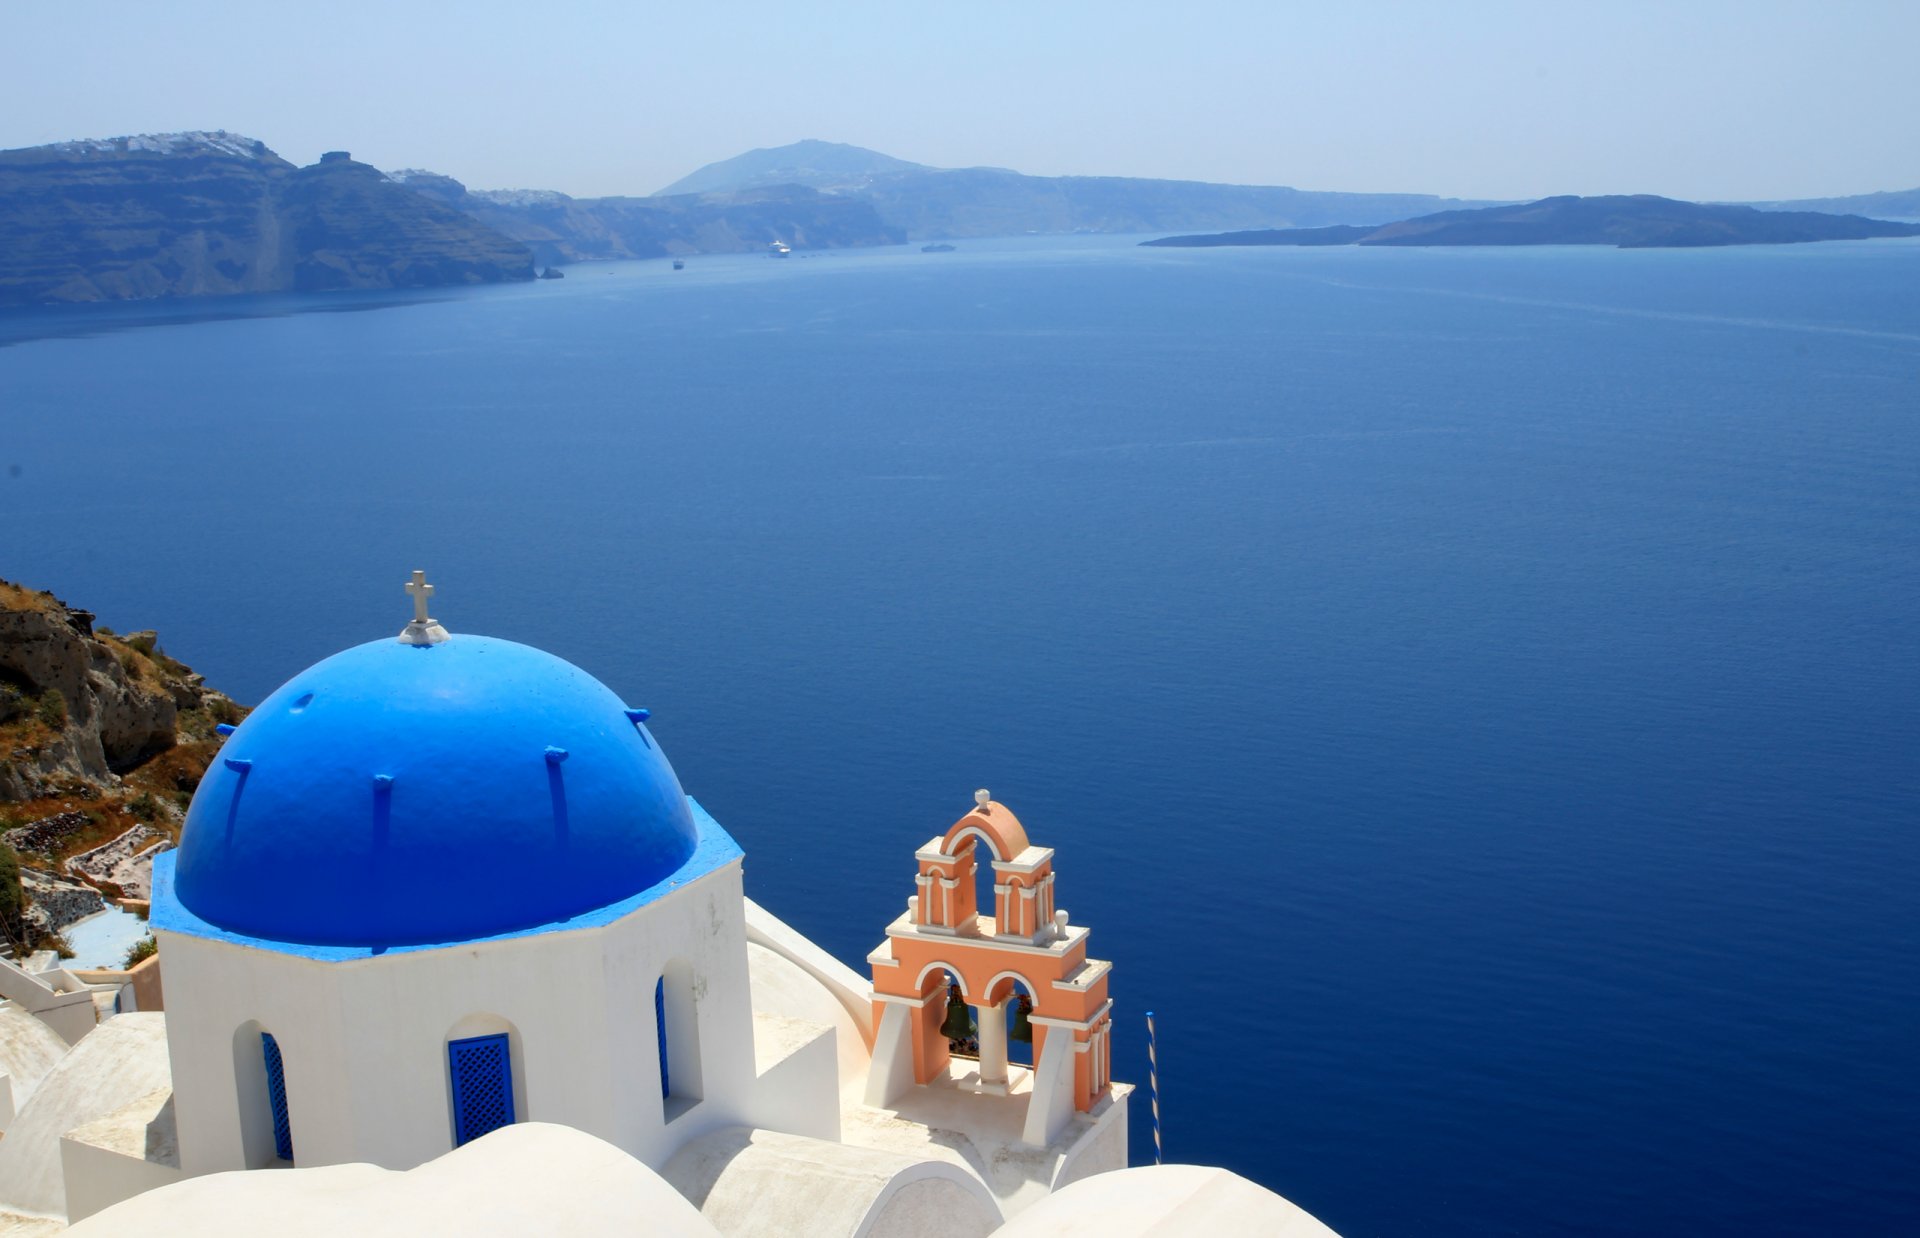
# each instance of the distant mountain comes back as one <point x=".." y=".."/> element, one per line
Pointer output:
<point x="1641" y="221"/>
<point x="815" y="164"/>
<point x="561" y="229"/>
<point x="207" y="214"/>
<point x="944" y="203"/>
<point x="1888" y="204"/>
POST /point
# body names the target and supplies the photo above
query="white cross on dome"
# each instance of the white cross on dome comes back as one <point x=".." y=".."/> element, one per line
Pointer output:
<point x="422" y="630"/>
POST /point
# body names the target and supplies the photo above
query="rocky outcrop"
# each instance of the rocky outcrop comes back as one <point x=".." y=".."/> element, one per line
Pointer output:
<point x="86" y="706"/>
<point x="210" y="214"/>
<point x="102" y="718"/>
<point x="103" y="737"/>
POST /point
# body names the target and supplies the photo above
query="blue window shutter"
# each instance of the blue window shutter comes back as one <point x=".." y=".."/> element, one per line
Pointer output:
<point x="277" y="1097"/>
<point x="660" y="1028"/>
<point x="482" y="1071"/>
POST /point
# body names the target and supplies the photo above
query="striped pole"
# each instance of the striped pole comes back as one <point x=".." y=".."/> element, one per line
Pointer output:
<point x="1153" y="1086"/>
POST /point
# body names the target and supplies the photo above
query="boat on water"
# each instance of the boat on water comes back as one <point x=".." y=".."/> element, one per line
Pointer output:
<point x="778" y="249"/>
<point x="679" y="264"/>
<point x="938" y="248"/>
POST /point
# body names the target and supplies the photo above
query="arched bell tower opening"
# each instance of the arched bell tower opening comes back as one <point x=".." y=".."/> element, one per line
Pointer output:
<point x="1012" y="996"/>
<point x="994" y="1029"/>
<point x="959" y="1023"/>
<point x="981" y="860"/>
<point x="981" y="935"/>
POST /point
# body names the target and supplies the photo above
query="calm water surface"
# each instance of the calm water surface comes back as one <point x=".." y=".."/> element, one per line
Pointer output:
<point x="1474" y="695"/>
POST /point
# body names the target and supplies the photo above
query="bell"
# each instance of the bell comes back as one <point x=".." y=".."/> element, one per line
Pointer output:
<point x="958" y="1025"/>
<point x="1022" y="1029"/>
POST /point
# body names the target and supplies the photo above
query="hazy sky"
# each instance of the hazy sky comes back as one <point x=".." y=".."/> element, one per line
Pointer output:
<point x="1691" y="98"/>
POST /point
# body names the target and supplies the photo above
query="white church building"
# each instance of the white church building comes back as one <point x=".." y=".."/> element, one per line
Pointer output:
<point x="446" y="948"/>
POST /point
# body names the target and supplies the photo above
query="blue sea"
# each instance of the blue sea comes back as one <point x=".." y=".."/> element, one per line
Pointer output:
<point x="1474" y="695"/>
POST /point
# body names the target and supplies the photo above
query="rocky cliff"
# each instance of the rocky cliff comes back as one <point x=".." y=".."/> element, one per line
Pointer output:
<point x="348" y="226"/>
<point x="210" y="214"/>
<point x="103" y="738"/>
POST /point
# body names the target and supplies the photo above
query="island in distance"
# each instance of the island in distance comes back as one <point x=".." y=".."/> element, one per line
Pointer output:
<point x="1637" y="221"/>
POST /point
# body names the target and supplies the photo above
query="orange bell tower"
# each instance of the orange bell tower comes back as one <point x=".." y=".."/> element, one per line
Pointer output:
<point x="944" y="942"/>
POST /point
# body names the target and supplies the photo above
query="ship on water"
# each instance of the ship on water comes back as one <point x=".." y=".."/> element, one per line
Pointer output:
<point x="778" y="249"/>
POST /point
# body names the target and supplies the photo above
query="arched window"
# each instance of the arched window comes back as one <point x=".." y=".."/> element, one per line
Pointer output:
<point x="260" y="1089"/>
<point x="277" y="1096"/>
<point x="677" y="1037"/>
<point x="481" y="1068"/>
<point x="660" y="1028"/>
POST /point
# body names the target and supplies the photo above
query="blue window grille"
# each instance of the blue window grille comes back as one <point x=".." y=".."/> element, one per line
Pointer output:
<point x="482" y="1071"/>
<point x="660" y="1029"/>
<point x="277" y="1097"/>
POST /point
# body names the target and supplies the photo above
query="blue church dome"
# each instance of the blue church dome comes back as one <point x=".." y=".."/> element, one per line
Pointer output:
<point x="407" y="794"/>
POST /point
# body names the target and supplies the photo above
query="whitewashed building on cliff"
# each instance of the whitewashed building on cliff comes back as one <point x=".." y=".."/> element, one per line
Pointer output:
<point x="447" y="947"/>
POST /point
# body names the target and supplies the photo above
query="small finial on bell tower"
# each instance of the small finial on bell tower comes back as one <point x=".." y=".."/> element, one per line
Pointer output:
<point x="982" y="798"/>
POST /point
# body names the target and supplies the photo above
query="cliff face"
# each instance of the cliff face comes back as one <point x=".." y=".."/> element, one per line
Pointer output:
<point x="210" y="214"/>
<point x="347" y="226"/>
<point x="100" y="221"/>
<point x="103" y="738"/>
<point x="97" y="731"/>
<point x="559" y="228"/>
<point x="73" y="710"/>
<point x="87" y="706"/>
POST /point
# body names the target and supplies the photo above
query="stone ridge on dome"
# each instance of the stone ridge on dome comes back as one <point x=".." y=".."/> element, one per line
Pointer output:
<point x="398" y="794"/>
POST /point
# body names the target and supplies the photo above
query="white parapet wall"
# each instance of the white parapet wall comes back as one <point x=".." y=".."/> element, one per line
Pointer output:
<point x="853" y="991"/>
<point x="126" y="1153"/>
<point x="28" y="1050"/>
<point x="124" y="1060"/>
<point x="56" y="997"/>
<point x="798" y="1086"/>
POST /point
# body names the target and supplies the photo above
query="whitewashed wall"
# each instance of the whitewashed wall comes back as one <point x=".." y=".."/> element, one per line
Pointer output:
<point x="364" y="1042"/>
